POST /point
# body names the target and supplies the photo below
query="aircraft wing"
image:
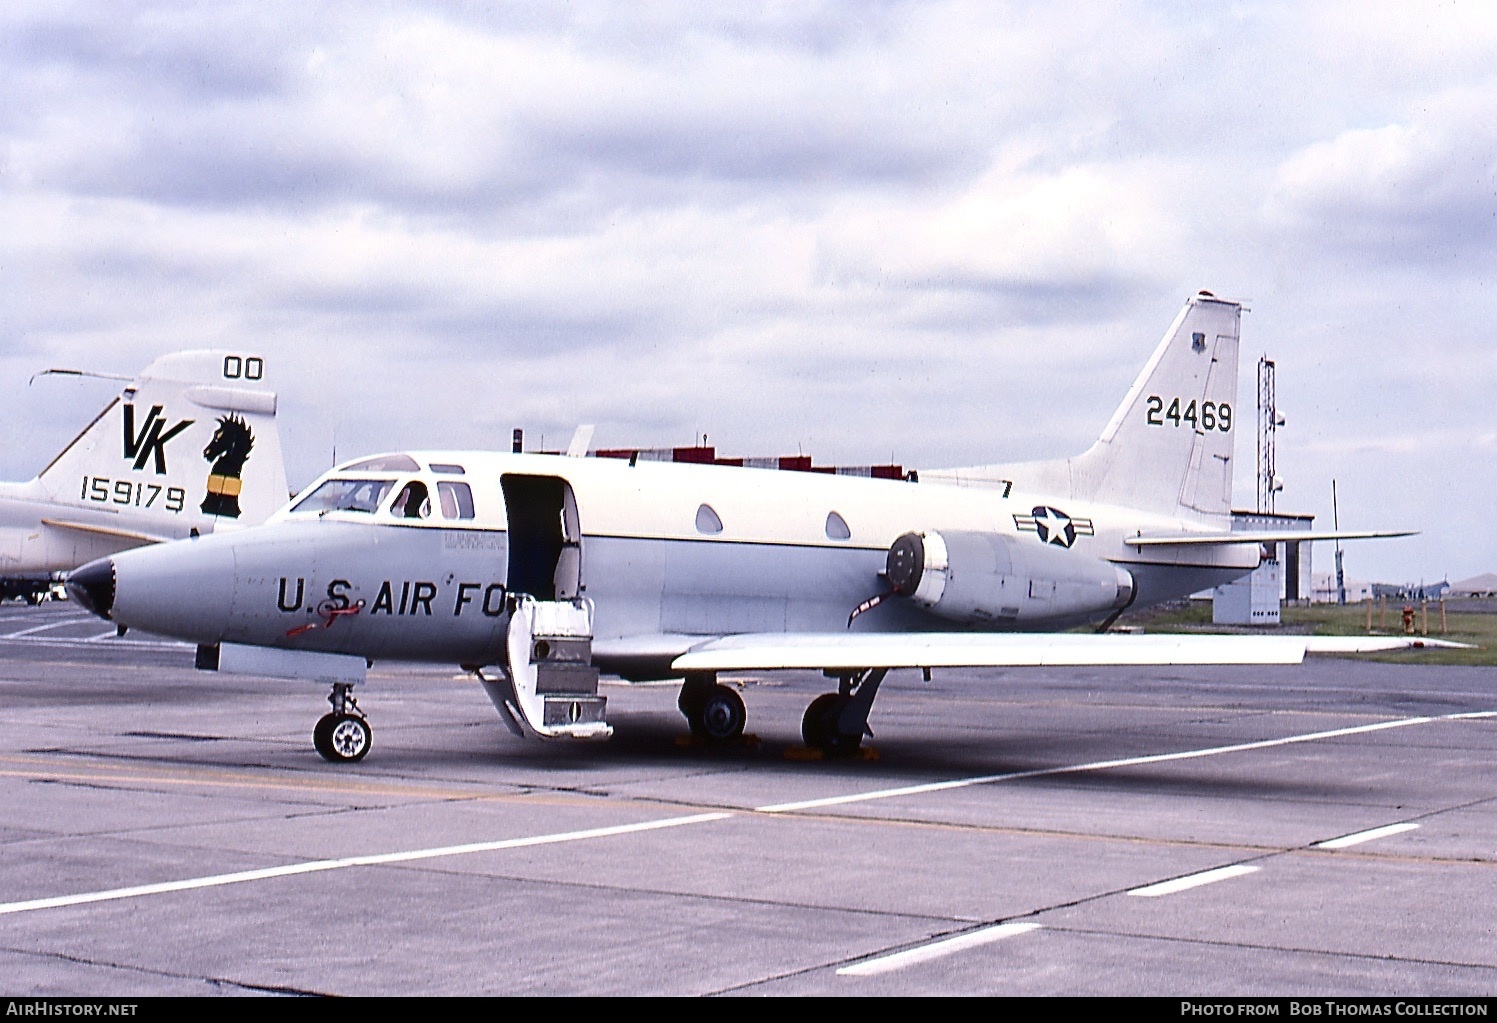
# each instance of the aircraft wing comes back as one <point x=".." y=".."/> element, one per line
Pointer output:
<point x="834" y="651"/>
<point x="1261" y="536"/>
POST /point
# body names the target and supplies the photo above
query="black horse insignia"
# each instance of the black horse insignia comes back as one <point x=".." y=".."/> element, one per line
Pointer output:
<point x="228" y="451"/>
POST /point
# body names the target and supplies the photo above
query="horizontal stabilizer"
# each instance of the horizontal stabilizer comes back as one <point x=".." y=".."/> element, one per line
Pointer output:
<point x="1262" y="536"/>
<point x="124" y="534"/>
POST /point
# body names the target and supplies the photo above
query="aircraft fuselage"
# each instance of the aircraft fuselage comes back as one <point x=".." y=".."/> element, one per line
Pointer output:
<point x="666" y="553"/>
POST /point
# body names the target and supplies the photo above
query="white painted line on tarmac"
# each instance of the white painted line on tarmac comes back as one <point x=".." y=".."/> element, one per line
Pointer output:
<point x="1365" y="836"/>
<point x="1181" y="884"/>
<point x="32" y="615"/>
<point x="935" y="950"/>
<point x="1103" y="765"/>
<point x="572" y="836"/>
<point x="380" y="859"/>
<point x="137" y="644"/>
<point x="60" y="623"/>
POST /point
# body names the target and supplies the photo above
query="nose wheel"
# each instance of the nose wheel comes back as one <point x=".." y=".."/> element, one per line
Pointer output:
<point x="343" y="736"/>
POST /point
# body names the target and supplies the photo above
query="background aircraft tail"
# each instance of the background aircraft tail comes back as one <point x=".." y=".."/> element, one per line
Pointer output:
<point x="190" y="443"/>
<point x="1168" y="448"/>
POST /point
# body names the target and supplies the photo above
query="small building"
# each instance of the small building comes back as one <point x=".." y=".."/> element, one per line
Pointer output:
<point x="1283" y="574"/>
<point x="1484" y="585"/>
<point x="1325" y="591"/>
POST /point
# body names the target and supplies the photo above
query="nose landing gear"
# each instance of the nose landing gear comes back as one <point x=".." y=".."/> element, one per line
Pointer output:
<point x="344" y="735"/>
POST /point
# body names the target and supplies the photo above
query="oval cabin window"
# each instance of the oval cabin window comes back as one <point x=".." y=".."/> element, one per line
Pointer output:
<point x="836" y="527"/>
<point x="707" y="520"/>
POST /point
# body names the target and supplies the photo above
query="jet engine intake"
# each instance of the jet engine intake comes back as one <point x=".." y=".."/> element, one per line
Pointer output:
<point x="977" y="578"/>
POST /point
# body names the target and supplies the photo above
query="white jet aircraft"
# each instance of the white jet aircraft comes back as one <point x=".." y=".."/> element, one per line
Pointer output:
<point x="189" y="446"/>
<point x="552" y="568"/>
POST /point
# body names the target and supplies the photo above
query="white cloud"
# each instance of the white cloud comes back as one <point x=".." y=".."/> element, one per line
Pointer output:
<point x="940" y="233"/>
<point x="1421" y="190"/>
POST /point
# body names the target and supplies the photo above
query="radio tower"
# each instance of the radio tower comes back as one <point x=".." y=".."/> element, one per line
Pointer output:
<point x="1268" y="423"/>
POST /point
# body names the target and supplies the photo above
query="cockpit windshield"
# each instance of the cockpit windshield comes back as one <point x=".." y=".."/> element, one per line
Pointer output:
<point x="345" y="495"/>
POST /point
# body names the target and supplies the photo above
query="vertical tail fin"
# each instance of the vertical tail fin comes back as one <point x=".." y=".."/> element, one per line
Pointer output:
<point x="1168" y="447"/>
<point x="190" y="444"/>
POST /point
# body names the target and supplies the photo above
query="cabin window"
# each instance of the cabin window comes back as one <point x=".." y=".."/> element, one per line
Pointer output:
<point x="836" y="527"/>
<point x="413" y="502"/>
<point x="447" y="469"/>
<point x="707" y="520"/>
<point x="345" y="495"/>
<point x="386" y="463"/>
<point x="456" y="500"/>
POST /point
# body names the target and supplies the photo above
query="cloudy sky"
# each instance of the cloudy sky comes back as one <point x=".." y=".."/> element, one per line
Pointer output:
<point x="929" y="233"/>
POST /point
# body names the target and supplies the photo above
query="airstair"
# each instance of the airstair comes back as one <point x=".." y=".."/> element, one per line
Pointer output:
<point x="549" y="687"/>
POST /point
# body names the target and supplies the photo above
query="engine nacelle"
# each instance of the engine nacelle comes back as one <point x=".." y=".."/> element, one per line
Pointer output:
<point x="990" y="578"/>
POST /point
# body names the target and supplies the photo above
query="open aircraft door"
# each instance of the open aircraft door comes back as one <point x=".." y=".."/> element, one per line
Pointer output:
<point x="550" y="687"/>
<point x="545" y="537"/>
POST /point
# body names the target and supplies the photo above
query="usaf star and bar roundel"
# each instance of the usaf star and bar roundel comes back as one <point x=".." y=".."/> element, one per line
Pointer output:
<point x="1053" y="526"/>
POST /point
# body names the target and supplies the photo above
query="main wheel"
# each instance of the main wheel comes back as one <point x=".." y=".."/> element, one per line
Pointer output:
<point x="342" y="738"/>
<point x="721" y="715"/>
<point x="689" y="703"/>
<point x="819" y="727"/>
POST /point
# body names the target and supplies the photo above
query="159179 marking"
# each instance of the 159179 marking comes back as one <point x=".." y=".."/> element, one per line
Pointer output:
<point x="102" y="490"/>
<point x="1211" y="415"/>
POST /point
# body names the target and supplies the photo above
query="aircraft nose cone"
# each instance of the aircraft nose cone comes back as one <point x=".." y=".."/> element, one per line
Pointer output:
<point x="93" y="586"/>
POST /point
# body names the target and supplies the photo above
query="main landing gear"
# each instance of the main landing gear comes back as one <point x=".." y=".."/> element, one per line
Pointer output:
<point x="834" y="723"/>
<point x="344" y="735"/>
<point x="713" y="711"/>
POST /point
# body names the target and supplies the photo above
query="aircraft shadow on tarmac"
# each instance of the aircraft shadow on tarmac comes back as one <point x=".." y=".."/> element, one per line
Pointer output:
<point x="654" y="741"/>
<point x="944" y="739"/>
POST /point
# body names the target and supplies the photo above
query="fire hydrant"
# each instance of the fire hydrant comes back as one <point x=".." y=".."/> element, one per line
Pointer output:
<point x="1408" y="619"/>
